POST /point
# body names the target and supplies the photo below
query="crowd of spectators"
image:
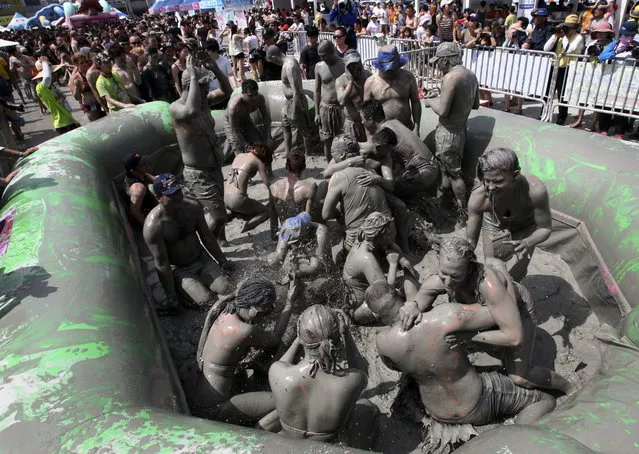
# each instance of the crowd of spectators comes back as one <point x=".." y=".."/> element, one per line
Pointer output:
<point x="110" y="67"/>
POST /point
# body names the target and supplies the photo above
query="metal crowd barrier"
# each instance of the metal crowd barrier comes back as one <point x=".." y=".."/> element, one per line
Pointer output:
<point x="525" y="74"/>
<point x="610" y="87"/>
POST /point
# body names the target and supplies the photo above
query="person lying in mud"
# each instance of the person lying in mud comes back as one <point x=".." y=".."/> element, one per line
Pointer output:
<point x="375" y="243"/>
<point x="510" y="304"/>
<point x="453" y="392"/>
<point x="314" y="397"/>
<point x="245" y="166"/>
<point x="173" y="231"/>
<point x="418" y="169"/>
<point x="514" y="209"/>
<point x="291" y="195"/>
<point x="225" y="341"/>
<point x="304" y="243"/>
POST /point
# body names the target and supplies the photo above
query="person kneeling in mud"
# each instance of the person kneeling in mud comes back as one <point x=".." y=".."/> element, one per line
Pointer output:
<point x="363" y="264"/>
<point x="245" y="166"/>
<point x="314" y="397"/>
<point x="510" y="304"/>
<point x="180" y="241"/>
<point x="453" y="392"/>
<point x="296" y="239"/>
<point x="225" y="341"/>
<point x="291" y="195"/>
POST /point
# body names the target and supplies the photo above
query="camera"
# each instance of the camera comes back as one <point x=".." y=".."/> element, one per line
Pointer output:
<point x="200" y="55"/>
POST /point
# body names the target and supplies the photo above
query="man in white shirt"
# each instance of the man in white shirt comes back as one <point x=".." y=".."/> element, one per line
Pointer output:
<point x="224" y="63"/>
<point x="297" y="25"/>
<point x="382" y="14"/>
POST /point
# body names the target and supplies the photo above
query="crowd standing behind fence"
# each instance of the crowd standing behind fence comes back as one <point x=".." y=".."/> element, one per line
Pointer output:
<point x="510" y="56"/>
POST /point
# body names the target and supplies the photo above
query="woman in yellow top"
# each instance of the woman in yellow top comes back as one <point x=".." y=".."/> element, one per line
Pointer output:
<point x="110" y="86"/>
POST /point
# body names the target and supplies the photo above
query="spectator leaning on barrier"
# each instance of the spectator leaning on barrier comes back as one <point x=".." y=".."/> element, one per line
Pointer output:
<point x="542" y="32"/>
<point x="565" y="40"/>
<point x="624" y="47"/>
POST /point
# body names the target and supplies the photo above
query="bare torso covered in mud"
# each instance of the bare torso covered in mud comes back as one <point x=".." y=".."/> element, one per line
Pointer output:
<point x="459" y="95"/>
<point x="350" y="93"/>
<point x="245" y="166"/>
<point x="292" y="196"/>
<point x="396" y="92"/>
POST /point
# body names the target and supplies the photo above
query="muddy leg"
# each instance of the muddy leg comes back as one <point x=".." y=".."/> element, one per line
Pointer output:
<point x="533" y="412"/>
<point x="247" y="408"/>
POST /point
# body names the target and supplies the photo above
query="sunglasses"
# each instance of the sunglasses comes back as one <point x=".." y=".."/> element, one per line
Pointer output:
<point x="135" y="42"/>
<point x="338" y="36"/>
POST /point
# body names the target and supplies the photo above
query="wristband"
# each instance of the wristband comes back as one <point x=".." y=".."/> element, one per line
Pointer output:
<point x="20" y="154"/>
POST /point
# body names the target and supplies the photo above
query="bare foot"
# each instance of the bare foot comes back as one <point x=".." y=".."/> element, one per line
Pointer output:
<point x="576" y="124"/>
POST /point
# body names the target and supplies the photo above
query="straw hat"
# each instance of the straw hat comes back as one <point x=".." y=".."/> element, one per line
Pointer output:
<point x="53" y="69"/>
<point x="634" y="13"/>
<point x="571" y="21"/>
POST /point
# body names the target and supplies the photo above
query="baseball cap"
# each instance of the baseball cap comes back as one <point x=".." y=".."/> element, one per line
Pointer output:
<point x="541" y="12"/>
<point x="133" y="160"/>
<point x="445" y="50"/>
<point x="166" y="184"/>
<point x="629" y="28"/>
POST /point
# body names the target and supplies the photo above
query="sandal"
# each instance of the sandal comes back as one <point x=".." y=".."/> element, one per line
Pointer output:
<point x="506" y="110"/>
<point x="520" y="112"/>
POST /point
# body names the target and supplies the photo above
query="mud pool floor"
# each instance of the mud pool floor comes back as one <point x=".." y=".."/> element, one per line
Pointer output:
<point x="564" y="341"/>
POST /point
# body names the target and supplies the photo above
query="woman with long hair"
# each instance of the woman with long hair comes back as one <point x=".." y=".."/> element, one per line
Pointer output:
<point x="237" y="43"/>
<point x="177" y="68"/>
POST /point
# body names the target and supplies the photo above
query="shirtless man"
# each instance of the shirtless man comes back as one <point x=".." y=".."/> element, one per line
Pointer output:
<point x="195" y="131"/>
<point x="127" y="70"/>
<point x="225" y="341"/>
<point x="245" y="166"/>
<point x="350" y="94"/>
<point x="313" y="398"/>
<point x="137" y="176"/>
<point x="295" y="111"/>
<point x="459" y="95"/>
<point x="514" y="209"/>
<point x="329" y="115"/>
<point x="451" y="389"/>
<point x="240" y="129"/>
<point x="92" y="78"/>
<point x="395" y="89"/>
<point x="297" y="235"/>
<point x="375" y="242"/>
<point x="291" y="195"/>
<point x="173" y="231"/>
<point x="419" y="168"/>
<point x="357" y="201"/>
<point x="466" y="281"/>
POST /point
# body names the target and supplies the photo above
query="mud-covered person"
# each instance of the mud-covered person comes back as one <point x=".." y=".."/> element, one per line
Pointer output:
<point x="510" y="210"/>
<point x="242" y="132"/>
<point x="137" y="178"/>
<point x="173" y="231"/>
<point x="329" y="114"/>
<point x="364" y="264"/>
<point x="315" y="398"/>
<point x="305" y="243"/>
<point x="395" y="88"/>
<point x="459" y="95"/>
<point x="225" y="341"/>
<point x="295" y="111"/>
<point x="350" y="94"/>
<point x="419" y="170"/>
<point x="195" y="131"/>
<point x="452" y="391"/>
<point x="290" y="194"/>
<point x="244" y="167"/>
<point x="466" y="281"/>
<point x="357" y="201"/>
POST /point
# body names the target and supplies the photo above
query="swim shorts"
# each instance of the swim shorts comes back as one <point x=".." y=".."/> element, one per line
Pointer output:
<point x="331" y="120"/>
<point x="449" y="149"/>
<point x="207" y="186"/>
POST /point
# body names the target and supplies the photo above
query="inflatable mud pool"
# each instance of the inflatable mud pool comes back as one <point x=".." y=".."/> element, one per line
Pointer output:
<point x="84" y="363"/>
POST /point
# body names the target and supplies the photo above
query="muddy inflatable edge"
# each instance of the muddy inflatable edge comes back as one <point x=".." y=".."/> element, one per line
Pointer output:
<point x="84" y="364"/>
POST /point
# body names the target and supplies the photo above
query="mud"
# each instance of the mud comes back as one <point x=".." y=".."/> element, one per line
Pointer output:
<point x="564" y="340"/>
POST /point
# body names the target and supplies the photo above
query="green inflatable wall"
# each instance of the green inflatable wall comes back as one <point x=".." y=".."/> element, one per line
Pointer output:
<point x="84" y="365"/>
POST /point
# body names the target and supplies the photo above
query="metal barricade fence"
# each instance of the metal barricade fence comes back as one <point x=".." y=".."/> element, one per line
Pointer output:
<point x="610" y="87"/>
<point x="297" y="43"/>
<point x="521" y="73"/>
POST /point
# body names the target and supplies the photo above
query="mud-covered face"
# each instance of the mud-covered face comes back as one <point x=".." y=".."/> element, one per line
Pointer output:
<point x="355" y="69"/>
<point x="251" y="97"/>
<point x="172" y="201"/>
<point x="453" y="271"/>
<point x="498" y="181"/>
